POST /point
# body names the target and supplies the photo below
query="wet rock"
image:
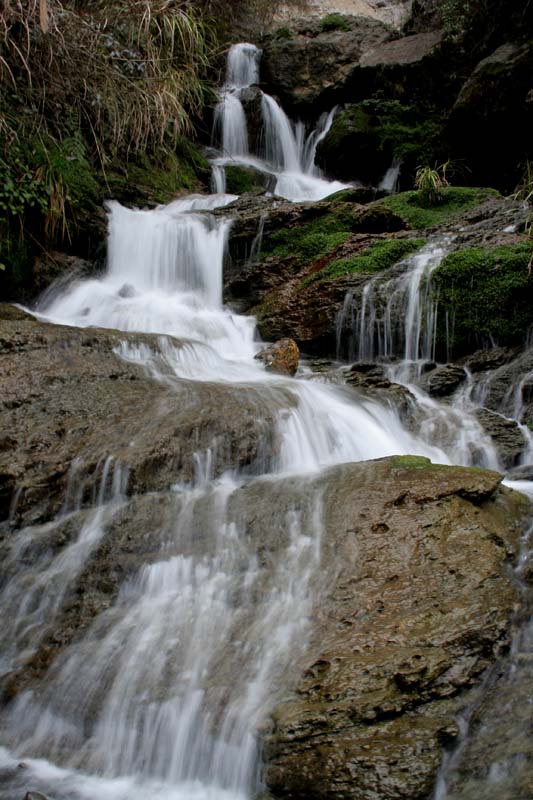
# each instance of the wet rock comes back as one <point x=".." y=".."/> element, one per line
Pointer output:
<point x="483" y="360"/>
<point x="305" y="69"/>
<point x="411" y="602"/>
<point x="368" y="378"/>
<point x="417" y="610"/>
<point x="66" y="395"/>
<point x="508" y="389"/>
<point x="35" y="796"/>
<point x="509" y="440"/>
<point x="281" y="357"/>
<point x="522" y="473"/>
<point x="54" y="266"/>
<point x="443" y="381"/>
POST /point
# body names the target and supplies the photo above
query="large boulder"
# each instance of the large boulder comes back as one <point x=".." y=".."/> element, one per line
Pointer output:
<point x="489" y="122"/>
<point x="309" y="68"/>
<point x="415" y="607"/>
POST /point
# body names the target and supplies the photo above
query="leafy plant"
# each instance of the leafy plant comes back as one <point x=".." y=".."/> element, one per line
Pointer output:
<point x="430" y="183"/>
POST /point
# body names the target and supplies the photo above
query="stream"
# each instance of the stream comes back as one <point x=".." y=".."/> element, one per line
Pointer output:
<point x="165" y="693"/>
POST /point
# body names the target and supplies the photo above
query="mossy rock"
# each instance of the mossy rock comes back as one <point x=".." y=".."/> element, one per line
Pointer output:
<point x="334" y="22"/>
<point x="376" y="258"/>
<point x="149" y="179"/>
<point x="455" y="201"/>
<point x="314" y="238"/>
<point x="484" y="297"/>
<point x="367" y="136"/>
<point x="240" y="180"/>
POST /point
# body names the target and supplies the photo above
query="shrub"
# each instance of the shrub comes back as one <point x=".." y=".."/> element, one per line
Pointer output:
<point x="334" y="22"/>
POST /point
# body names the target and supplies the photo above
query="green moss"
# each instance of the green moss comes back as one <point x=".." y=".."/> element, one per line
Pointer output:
<point x="334" y="22"/>
<point x="484" y="296"/>
<point x="284" y="34"/>
<point x="411" y="462"/>
<point x="312" y="240"/>
<point x="376" y="258"/>
<point x="148" y="178"/>
<point x="240" y="180"/>
<point x="456" y="200"/>
<point x="401" y="131"/>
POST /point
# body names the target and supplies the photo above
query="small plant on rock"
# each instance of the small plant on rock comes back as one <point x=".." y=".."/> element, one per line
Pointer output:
<point x="431" y="182"/>
<point x="334" y="22"/>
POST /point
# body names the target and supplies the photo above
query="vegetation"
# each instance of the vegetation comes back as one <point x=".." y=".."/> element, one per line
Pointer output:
<point x="376" y="258"/>
<point x="431" y="182"/>
<point x="334" y="22"/>
<point x="484" y="297"/>
<point x="240" y="180"/>
<point x="312" y="240"/>
<point x="455" y="201"/>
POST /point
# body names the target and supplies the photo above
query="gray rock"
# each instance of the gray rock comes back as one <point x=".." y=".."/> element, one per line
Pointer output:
<point x="506" y="434"/>
<point x="443" y="381"/>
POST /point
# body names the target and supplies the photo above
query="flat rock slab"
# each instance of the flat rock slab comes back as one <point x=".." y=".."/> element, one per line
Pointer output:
<point x="68" y="401"/>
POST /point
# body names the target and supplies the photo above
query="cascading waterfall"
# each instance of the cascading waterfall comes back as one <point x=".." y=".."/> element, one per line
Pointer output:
<point x="163" y="695"/>
<point x="289" y="155"/>
<point x="397" y="317"/>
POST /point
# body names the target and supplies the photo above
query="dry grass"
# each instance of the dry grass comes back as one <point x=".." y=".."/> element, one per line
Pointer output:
<point x="128" y="72"/>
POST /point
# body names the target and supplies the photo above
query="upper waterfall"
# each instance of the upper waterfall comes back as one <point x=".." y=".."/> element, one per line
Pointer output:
<point x="286" y="153"/>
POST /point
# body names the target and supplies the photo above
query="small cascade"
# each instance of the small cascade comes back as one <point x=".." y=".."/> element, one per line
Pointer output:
<point x="288" y="154"/>
<point x="391" y="180"/>
<point x="396" y="317"/>
<point x="242" y="67"/>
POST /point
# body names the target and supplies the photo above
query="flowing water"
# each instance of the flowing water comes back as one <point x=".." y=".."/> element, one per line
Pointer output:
<point x="287" y="154"/>
<point x="165" y="692"/>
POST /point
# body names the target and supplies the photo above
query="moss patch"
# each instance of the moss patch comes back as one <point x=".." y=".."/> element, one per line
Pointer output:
<point x="153" y="179"/>
<point x="456" y="200"/>
<point x="484" y="296"/>
<point x="411" y="462"/>
<point x="376" y="258"/>
<point x="240" y="180"/>
<point x="311" y="240"/>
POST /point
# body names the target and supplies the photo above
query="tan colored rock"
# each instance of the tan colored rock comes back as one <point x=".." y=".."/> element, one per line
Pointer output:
<point x="408" y="50"/>
<point x="281" y="357"/>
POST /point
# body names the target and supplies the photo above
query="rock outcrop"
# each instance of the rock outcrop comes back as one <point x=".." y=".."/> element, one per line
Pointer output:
<point x="68" y="401"/>
<point x="281" y="357"/>
<point x="418" y="609"/>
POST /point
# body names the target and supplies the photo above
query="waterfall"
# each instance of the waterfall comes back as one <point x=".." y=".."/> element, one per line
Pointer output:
<point x="391" y="179"/>
<point x="397" y="317"/>
<point x="163" y="694"/>
<point x="289" y="155"/>
<point x="242" y="67"/>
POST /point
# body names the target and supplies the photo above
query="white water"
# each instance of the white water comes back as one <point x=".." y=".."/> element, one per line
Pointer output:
<point x="165" y="693"/>
<point x="289" y="155"/>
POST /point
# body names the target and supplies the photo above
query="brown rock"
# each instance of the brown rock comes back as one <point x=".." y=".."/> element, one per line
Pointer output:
<point x="281" y="357"/>
<point x="408" y="50"/>
<point x="66" y="395"/>
<point x="418" y="608"/>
